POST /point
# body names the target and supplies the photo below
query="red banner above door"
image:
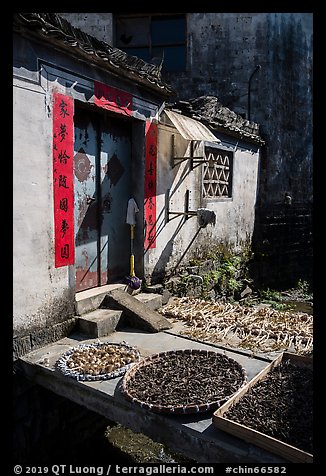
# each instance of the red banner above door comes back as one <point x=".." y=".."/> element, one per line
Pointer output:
<point x="112" y="99"/>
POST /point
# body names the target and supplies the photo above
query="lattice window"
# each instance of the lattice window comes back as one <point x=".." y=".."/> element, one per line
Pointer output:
<point x="217" y="173"/>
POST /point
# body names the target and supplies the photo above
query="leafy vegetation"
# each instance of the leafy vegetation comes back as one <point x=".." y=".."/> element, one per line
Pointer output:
<point x="220" y="273"/>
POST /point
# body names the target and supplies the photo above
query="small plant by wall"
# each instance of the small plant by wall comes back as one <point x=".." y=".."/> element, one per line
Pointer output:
<point x="218" y="273"/>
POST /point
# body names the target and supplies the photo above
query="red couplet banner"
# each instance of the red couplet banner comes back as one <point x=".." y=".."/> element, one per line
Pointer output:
<point x="150" y="184"/>
<point x="112" y="99"/>
<point x="63" y="179"/>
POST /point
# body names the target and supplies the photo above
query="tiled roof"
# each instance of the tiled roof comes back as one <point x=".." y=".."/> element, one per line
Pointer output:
<point x="208" y="110"/>
<point x="52" y="26"/>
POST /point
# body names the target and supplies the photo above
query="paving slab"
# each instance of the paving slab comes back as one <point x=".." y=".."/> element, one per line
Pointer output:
<point x="193" y="436"/>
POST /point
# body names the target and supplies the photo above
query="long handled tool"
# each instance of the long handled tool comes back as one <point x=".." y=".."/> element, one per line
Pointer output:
<point x="132" y="280"/>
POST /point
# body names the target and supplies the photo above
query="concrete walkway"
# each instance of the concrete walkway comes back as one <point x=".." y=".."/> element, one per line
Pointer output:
<point x="193" y="436"/>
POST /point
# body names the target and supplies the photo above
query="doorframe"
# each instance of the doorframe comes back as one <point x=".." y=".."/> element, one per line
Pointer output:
<point x="137" y="183"/>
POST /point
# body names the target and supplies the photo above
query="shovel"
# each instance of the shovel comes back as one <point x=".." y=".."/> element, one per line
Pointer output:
<point x="132" y="280"/>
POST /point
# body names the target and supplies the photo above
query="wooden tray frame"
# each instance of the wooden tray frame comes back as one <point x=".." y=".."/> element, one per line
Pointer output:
<point x="286" y="451"/>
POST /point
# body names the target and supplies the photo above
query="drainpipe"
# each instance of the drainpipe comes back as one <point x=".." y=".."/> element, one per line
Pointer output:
<point x="258" y="67"/>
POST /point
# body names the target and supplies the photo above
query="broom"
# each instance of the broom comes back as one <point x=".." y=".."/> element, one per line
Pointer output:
<point x="132" y="280"/>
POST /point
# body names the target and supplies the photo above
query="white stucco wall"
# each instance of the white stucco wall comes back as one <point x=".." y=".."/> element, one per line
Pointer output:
<point x="39" y="290"/>
<point x="234" y="216"/>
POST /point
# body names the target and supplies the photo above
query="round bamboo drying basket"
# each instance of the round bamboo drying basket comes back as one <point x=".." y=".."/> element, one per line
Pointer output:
<point x="181" y="408"/>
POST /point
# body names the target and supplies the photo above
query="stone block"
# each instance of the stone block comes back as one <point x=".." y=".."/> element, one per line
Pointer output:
<point x="153" y="301"/>
<point x="45" y="336"/>
<point x="99" y="323"/>
<point x="21" y="346"/>
<point x="135" y="312"/>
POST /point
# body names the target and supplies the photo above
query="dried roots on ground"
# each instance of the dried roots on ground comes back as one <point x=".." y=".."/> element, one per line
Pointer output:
<point x="257" y="328"/>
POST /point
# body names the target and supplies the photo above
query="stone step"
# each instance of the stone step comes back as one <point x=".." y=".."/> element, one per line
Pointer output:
<point x="100" y="322"/>
<point x="136" y="310"/>
<point x="91" y="299"/>
<point x="153" y="301"/>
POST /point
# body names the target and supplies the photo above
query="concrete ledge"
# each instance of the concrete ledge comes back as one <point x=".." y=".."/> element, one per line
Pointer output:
<point x="99" y="323"/>
<point x="136" y="313"/>
<point x="38" y="338"/>
<point x="193" y="436"/>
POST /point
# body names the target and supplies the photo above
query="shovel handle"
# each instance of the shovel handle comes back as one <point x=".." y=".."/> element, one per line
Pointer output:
<point x="132" y="266"/>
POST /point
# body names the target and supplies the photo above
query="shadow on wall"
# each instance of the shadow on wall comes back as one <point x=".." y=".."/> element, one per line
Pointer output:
<point x="170" y="188"/>
<point x="159" y="270"/>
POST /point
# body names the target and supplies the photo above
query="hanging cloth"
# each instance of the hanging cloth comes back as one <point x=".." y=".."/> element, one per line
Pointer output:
<point x="132" y="209"/>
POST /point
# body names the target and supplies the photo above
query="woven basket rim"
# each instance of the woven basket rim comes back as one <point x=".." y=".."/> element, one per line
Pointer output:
<point x="177" y="409"/>
<point x="61" y="363"/>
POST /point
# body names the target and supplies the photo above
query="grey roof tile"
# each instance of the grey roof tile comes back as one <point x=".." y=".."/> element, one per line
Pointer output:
<point x="52" y="26"/>
<point x="211" y="112"/>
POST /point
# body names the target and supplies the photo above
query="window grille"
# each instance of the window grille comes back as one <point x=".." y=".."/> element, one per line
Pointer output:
<point x="217" y="173"/>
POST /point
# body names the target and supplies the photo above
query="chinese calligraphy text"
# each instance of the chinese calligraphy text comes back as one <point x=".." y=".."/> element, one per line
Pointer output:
<point x="63" y="181"/>
<point x="150" y="185"/>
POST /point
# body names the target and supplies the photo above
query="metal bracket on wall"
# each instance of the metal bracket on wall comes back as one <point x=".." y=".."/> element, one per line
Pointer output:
<point x="186" y="213"/>
<point x="193" y="160"/>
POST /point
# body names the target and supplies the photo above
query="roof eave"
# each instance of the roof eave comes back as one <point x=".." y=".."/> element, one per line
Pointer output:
<point x="102" y="62"/>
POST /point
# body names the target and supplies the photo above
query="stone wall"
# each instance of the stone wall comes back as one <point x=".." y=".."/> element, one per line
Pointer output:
<point x="49" y="429"/>
<point x="283" y="246"/>
<point x="223" y="51"/>
<point x="40" y="337"/>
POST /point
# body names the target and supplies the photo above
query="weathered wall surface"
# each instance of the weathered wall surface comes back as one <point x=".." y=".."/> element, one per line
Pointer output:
<point x="98" y="25"/>
<point x="223" y="51"/>
<point x="44" y="296"/>
<point x="41" y="293"/>
<point x="234" y="216"/>
<point x="49" y="429"/>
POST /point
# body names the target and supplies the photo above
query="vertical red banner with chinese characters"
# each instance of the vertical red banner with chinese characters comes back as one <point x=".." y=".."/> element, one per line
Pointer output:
<point x="150" y="184"/>
<point x="63" y="179"/>
<point x="112" y="99"/>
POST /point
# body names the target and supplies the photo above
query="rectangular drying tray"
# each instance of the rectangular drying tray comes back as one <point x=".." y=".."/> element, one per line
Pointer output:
<point x="288" y="452"/>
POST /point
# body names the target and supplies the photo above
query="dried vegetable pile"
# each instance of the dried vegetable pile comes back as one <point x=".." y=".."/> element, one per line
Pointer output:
<point x="257" y="328"/>
<point x="98" y="361"/>
<point x="280" y="406"/>
<point x="183" y="381"/>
